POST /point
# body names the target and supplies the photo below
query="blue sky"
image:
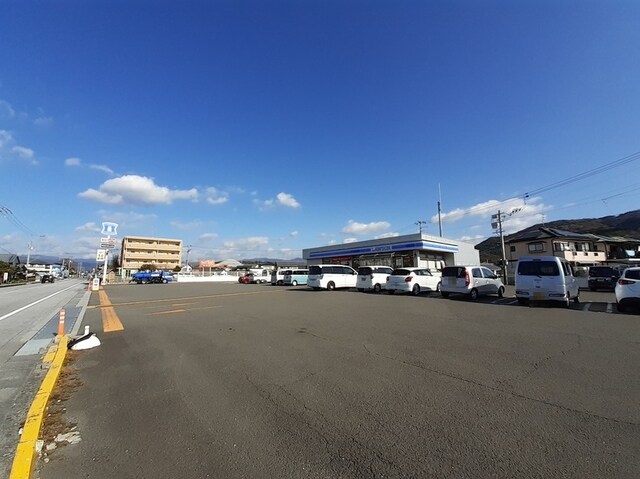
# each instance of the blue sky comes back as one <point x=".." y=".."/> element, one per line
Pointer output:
<point x="259" y="128"/>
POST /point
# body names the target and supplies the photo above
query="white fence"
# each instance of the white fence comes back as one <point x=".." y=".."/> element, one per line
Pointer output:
<point x="214" y="278"/>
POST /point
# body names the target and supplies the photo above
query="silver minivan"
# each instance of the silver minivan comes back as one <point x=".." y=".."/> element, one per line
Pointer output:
<point x="546" y="278"/>
<point x="472" y="281"/>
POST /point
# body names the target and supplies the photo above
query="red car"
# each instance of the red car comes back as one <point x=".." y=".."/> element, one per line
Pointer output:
<point x="246" y="279"/>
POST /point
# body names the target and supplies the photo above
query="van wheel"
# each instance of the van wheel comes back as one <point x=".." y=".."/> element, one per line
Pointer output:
<point x="444" y="294"/>
<point x="576" y="299"/>
<point x="473" y="295"/>
<point x="567" y="300"/>
<point x="294" y="283"/>
<point x="438" y="288"/>
<point x="377" y="288"/>
<point x="331" y="286"/>
<point x="500" y="292"/>
<point x="621" y="308"/>
<point x="416" y="290"/>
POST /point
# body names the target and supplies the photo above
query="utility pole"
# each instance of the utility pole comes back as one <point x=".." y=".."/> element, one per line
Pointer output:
<point x="499" y="219"/>
<point x="439" y="210"/>
<point x="420" y="223"/>
<point x="496" y="223"/>
<point x="29" y="249"/>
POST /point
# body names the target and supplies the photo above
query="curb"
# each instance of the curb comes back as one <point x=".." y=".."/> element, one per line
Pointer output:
<point x="25" y="456"/>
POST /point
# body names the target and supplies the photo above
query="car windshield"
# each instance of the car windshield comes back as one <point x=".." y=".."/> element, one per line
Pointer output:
<point x="315" y="270"/>
<point x="538" y="268"/>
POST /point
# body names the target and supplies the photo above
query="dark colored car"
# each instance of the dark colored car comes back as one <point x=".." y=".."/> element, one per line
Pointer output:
<point x="47" y="278"/>
<point x="603" y="277"/>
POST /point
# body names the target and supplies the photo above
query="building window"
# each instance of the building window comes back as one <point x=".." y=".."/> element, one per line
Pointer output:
<point x="536" y="247"/>
<point x="561" y="246"/>
<point x="512" y="249"/>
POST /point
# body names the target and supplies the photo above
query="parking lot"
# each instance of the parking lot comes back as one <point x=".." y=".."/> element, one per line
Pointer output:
<point x="234" y="380"/>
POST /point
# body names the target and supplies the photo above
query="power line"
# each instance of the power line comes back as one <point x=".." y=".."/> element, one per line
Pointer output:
<point x="15" y="221"/>
<point x="493" y="205"/>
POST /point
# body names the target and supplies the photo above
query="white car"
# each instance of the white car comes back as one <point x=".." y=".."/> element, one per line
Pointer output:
<point x="472" y="281"/>
<point x="373" y="278"/>
<point x="412" y="280"/>
<point x="546" y="278"/>
<point x="331" y="276"/>
<point x="628" y="289"/>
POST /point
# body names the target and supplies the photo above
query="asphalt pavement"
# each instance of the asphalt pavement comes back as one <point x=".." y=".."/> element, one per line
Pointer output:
<point x="25" y="335"/>
<point x="236" y="381"/>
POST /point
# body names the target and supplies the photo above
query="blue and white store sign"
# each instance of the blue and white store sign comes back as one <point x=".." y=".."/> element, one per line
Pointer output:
<point x="110" y="229"/>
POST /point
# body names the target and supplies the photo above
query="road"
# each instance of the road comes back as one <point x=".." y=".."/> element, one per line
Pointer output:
<point x="27" y="317"/>
<point x="236" y="381"/>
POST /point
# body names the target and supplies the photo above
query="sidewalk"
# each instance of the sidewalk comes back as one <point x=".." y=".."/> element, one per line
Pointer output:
<point x="21" y="376"/>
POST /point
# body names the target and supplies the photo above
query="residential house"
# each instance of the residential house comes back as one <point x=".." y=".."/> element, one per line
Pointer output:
<point x="581" y="249"/>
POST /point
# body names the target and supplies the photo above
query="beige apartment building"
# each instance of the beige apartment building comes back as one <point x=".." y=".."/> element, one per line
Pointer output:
<point x="165" y="253"/>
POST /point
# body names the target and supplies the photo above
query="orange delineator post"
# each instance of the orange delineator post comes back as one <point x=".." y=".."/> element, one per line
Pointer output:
<point x="61" y="322"/>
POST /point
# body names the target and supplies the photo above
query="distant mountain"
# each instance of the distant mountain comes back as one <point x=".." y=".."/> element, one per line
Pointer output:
<point x="626" y="224"/>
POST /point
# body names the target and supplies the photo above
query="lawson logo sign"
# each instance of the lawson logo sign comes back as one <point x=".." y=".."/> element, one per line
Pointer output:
<point x="386" y="248"/>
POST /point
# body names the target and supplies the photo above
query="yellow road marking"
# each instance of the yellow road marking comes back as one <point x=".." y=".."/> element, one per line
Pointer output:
<point x="24" y="459"/>
<point x="110" y="320"/>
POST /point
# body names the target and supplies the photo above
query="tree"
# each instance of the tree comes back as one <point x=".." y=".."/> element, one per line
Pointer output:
<point x="148" y="267"/>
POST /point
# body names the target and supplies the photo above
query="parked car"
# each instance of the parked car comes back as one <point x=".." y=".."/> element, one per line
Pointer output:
<point x="373" y="278"/>
<point x="546" y="278"/>
<point x="47" y="278"/>
<point x="294" y="277"/>
<point x="628" y="289"/>
<point x="246" y="278"/>
<point x="472" y="281"/>
<point x="603" y="277"/>
<point x="412" y="280"/>
<point x="331" y="276"/>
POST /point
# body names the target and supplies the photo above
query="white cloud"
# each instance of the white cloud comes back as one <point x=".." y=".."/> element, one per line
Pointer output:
<point x="43" y="121"/>
<point x="215" y="197"/>
<point x="286" y="199"/>
<point x="89" y="227"/>
<point x="350" y="240"/>
<point x="6" y="110"/>
<point x="353" y="227"/>
<point x="73" y="161"/>
<point x="23" y="152"/>
<point x="293" y="233"/>
<point x="191" y="225"/>
<point x="486" y="209"/>
<point x="282" y="199"/>
<point x="134" y="189"/>
<point x="103" y="168"/>
<point x="9" y="150"/>
<point x="208" y="236"/>
<point x="5" y="138"/>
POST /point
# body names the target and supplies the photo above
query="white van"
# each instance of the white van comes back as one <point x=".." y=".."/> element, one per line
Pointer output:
<point x="373" y="278"/>
<point x="331" y="276"/>
<point x="546" y="278"/>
